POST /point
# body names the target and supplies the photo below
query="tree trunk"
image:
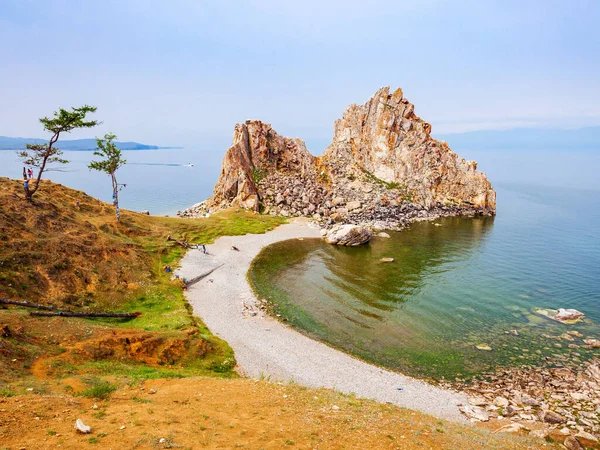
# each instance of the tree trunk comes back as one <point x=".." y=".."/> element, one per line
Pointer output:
<point x="84" y="314"/>
<point x="116" y="195"/>
<point x="29" y="192"/>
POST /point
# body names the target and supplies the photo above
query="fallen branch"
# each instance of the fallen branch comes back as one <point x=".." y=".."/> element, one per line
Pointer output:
<point x="186" y="244"/>
<point x="26" y="304"/>
<point x="84" y="314"/>
<point x="182" y="243"/>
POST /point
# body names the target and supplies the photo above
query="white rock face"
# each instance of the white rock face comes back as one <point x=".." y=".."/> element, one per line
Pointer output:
<point x="348" y="235"/>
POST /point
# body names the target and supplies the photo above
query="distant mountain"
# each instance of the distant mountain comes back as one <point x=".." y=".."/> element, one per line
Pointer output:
<point x="10" y="143"/>
<point x="526" y="139"/>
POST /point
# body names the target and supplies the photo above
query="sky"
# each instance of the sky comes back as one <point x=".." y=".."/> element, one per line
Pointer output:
<point x="183" y="72"/>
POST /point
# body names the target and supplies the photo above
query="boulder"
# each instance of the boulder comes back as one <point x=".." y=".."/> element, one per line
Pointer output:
<point x="585" y="436"/>
<point x="82" y="427"/>
<point x="566" y="316"/>
<point x="475" y="412"/>
<point x="551" y="417"/>
<point x="592" y="343"/>
<point x="501" y="402"/>
<point x="348" y="235"/>
<point x="383" y="234"/>
<point x="572" y="443"/>
<point x="351" y="206"/>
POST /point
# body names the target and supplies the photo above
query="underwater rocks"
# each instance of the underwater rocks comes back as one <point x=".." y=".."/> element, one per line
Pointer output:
<point x="566" y="316"/>
<point x="560" y="399"/>
<point x="348" y="235"/>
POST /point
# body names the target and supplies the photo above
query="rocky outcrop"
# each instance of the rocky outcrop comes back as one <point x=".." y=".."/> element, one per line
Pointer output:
<point x="388" y="142"/>
<point x="258" y="151"/>
<point x="383" y="169"/>
<point x="348" y="235"/>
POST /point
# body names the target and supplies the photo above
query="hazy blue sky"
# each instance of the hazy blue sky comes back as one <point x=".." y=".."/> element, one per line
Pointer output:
<point x="183" y="72"/>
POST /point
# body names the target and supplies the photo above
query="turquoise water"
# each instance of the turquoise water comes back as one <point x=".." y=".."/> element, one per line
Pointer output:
<point x="451" y="287"/>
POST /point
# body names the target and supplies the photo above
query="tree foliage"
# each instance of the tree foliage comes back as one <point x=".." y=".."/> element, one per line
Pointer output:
<point x="113" y="160"/>
<point x="41" y="155"/>
<point x="112" y="155"/>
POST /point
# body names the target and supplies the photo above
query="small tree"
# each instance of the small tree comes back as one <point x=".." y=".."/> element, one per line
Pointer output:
<point x="40" y="155"/>
<point x="110" y="164"/>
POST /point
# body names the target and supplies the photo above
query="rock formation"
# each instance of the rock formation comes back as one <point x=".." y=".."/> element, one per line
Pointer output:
<point x="348" y="235"/>
<point x="383" y="169"/>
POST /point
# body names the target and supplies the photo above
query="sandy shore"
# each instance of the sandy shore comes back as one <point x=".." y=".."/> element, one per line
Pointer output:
<point x="266" y="347"/>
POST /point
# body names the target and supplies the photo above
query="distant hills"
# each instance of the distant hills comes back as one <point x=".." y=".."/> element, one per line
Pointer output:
<point x="11" y="143"/>
<point x="526" y="139"/>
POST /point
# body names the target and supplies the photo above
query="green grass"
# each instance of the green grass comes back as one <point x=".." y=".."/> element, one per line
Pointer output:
<point x="99" y="389"/>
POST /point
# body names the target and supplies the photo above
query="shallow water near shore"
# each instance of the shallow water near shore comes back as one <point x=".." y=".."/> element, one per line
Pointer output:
<point x="455" y="283"/>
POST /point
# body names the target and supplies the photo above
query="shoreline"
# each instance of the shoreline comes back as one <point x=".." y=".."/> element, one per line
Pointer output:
<point x="266" y="347"/>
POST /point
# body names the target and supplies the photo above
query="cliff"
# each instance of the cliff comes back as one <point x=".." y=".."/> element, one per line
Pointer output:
<point x="382" y="166"/>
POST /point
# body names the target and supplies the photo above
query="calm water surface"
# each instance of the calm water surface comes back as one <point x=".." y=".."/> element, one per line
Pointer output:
<point x="157" y="180"/>
<point x="453" y="285"/>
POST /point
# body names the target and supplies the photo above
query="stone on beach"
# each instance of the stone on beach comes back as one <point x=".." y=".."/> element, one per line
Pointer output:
<point x="348" y="235"/>
<point x="475" y="412"/>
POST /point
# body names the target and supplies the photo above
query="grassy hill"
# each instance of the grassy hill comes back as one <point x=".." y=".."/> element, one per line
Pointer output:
<point x="66" y="250"/>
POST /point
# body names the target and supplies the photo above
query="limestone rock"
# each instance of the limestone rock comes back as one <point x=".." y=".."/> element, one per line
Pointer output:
<point x="593" y="343"/>
<point x="81" y="427"/>
<point x="501" y="402"/>
<point x="567" y="316"/>
<point x="585" y="436"/>
<point x="477" y="401"/>
<point x="551" y="417"/>
<point x="572" y="444"/>
<point x="475" y="412"/>
<point x="351" y="206"/>
<point x="348" y="235"/>
<point x="383" y="234"/>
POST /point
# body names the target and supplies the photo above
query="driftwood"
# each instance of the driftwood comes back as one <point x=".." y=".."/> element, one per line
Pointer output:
<point x="26" y="304"/>
<point x="185" y="244"/>
<point x="84" y="314"/>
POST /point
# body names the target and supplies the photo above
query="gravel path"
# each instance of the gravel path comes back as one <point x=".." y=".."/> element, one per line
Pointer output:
<point x="266" y="347"/>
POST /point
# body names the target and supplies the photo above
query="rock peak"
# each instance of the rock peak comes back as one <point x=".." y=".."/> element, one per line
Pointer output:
<point x="382" y="155"/>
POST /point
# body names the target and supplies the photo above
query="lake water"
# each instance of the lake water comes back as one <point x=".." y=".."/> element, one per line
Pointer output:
<point x="451" y="287"/>
<point x="460" y="283"/>
<point x="157" y="180"/>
